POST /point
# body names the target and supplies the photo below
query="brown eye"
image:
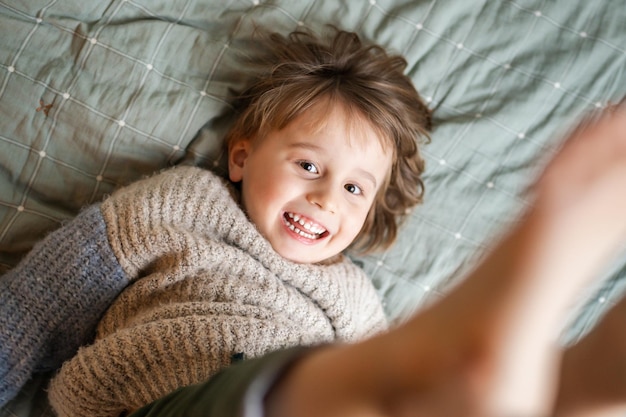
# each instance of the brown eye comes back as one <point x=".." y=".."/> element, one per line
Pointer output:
<point x="353" y="189"/>
<point x="308" y="166"/>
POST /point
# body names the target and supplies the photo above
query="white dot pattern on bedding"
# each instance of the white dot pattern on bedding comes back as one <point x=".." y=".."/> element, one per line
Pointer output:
<point x="93" y="96"/>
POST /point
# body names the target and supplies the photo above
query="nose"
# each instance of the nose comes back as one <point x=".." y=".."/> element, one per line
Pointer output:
<point x="324" y="198"/>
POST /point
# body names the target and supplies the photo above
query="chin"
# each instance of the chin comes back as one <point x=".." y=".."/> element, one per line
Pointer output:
<point x="300" y="258"/>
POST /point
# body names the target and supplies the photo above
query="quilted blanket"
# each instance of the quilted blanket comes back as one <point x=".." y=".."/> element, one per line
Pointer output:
<point x="94" y="95"/>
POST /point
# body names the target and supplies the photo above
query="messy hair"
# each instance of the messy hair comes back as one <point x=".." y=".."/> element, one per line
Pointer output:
<point x="302" y="69"/>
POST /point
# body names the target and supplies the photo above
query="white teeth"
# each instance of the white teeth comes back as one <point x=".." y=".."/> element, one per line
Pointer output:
<point x="307" y="235"/>
<point x="308" y="226"/>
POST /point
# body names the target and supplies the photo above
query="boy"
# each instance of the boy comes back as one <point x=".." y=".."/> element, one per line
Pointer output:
<point x="326" y="157"/>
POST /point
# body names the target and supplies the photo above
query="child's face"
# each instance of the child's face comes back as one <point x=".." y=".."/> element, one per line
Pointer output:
<point x="309" y="187"/>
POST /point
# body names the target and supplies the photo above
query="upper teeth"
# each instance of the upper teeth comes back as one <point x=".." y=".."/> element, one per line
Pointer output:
<point x="309" y="226"/>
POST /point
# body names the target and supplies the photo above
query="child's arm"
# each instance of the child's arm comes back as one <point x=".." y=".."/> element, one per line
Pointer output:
<point x="50" y="303"/>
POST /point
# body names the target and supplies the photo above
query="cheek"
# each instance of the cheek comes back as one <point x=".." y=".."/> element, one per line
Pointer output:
<point x="355" y="223"/>
<point x="269" y="190"/>
<point x="264" y="192"/>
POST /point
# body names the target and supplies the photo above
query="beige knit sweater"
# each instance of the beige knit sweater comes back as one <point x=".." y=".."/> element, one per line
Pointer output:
<point x="205" y="286"/>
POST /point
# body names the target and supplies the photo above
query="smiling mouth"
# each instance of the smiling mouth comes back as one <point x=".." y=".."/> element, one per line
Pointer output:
<point x="303" y="226"/>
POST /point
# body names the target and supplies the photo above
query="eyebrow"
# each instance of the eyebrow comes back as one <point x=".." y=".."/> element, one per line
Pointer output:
<point x="311" y="146"/>
<point x="307" y="145"/>
<point x="368" y="176"/>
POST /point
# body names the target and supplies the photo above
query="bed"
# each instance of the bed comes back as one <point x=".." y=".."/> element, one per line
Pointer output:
<point x="94" y="95"/>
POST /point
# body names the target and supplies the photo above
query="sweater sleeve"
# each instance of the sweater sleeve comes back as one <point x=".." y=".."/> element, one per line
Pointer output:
<point x="237" y="391"/>
<point x="50" y="303"/>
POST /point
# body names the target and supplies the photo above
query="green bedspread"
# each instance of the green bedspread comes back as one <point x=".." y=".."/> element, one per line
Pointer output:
<point x="94" y="95"/>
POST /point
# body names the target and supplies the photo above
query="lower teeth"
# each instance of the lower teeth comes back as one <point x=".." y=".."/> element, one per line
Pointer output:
<point x="301" y="232"/>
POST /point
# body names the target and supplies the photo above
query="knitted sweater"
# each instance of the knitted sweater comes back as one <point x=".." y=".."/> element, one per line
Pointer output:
<point x="205" y="286"/>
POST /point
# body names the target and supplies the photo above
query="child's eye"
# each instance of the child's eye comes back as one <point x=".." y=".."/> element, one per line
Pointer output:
<point x="353" y="189"/>
<point x="309" y="167"/>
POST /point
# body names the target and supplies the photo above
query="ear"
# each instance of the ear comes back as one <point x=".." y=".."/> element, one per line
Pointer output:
<point x="238" y="152"/>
